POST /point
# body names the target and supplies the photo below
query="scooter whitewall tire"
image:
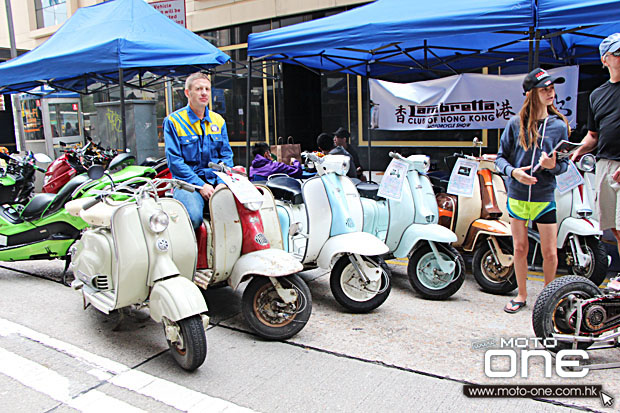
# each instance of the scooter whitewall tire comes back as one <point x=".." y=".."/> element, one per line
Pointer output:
<point x="268" y="315"/>
<point x="190" y="351"/>
<point x="422" y="269"/>
<point x="491" y="276"/>
<point x="554" y="306"/>
<point x="350" y="290"/>
<point x="597" y="270"/>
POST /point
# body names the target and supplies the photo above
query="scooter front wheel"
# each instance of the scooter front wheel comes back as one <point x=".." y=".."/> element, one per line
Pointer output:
<point x="491" y="275"/>
<point x="190" y="349"/>
<point x="270" y="316"/>
<point x="426" y="276"/>
<point x="555" y="308"/>
<point x="596" y="271"/>
<point x="352" y="292"/>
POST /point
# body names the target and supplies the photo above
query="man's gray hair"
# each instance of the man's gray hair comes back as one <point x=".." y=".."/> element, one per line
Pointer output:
<point x="195" y="76"/>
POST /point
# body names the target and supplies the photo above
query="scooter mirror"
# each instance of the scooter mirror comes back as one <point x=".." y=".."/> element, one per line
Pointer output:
<point x="587" y="162"/>
<point x="43" y="158"/>
<point x="95" y="172"/>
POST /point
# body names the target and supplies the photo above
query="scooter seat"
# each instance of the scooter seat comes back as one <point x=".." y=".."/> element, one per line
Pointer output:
<point x="368" y="190"/>
<point x="46" y="204"/>
<point x="287" y="189"/>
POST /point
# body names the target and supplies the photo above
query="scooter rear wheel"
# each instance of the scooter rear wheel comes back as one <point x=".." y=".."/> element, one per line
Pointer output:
<point x="553" y="308"/>
<point x="492" y="277"/>
<point x="423" y="272"/>
<point x="190" y="351"/>
<point x="268" y="315"/>
<point x="350" y="290"/>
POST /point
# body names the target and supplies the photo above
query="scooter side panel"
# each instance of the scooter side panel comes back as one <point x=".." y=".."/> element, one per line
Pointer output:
<point x="577" y="226"/>
<point x="176" y="298"/>
<point x="564" y="203"/>
<point x="182" y="238"/>
<point x="227" y="233"/>
<point x="319" y="217"/>
<point x="376" y="217"/>
<point x="93" y="256"/>
<point x="269" y="216"/>
<point x="132" y="257"/>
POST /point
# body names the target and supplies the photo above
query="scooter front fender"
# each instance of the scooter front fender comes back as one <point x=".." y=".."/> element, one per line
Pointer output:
<point x="176" y="298"/>
<point x="360" y="243"/>
<point x="578" y="226"/>
<point x="490" y="227"/>
<point x="427" y="232"/>
<point x="271" y="262"/>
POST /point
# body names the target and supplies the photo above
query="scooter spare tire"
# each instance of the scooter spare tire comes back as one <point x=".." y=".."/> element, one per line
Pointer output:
<point x="423" y="268"/>
<point x="270" y="316"/>
<point x="491" y="276"/>
<point x="597" y="270"/>
<point x="350" y="290"/>
<point x="190" y="351"/>
<point x="553" y="308"/>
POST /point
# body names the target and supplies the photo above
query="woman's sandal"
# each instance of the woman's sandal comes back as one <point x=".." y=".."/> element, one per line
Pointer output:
<point x="519" y="305"/>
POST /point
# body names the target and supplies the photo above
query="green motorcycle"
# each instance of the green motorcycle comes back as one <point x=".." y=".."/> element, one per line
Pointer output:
<point x="44" y="229"/>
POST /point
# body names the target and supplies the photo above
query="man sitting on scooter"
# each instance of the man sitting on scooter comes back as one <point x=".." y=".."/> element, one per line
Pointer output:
<point x="263" y="166"/>
<point x="195" y="136"/>
<point x="325" y="143"/>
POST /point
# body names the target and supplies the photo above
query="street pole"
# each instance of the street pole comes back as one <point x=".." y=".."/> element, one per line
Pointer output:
<point x="15" y="102"/>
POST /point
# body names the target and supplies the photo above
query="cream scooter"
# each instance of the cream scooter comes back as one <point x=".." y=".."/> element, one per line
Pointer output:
<point x="141" y="251"/>
<point x="242" y="242"/>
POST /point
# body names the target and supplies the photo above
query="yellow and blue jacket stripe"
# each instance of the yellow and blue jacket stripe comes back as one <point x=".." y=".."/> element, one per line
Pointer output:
<point x="191" y="143"/>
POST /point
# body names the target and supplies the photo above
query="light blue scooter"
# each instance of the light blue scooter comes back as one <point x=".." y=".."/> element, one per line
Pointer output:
<point x="409" y="228"/>
<point x="321" y="222"/>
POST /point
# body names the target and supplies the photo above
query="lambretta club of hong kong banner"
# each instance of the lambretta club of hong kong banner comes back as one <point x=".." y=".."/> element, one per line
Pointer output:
<point x="467" y="101"/>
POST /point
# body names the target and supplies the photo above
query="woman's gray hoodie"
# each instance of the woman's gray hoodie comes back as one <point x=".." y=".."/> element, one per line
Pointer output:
<point x="511" y="155"/>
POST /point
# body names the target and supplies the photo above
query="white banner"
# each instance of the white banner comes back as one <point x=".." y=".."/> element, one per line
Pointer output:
<point x="467" y="101"/>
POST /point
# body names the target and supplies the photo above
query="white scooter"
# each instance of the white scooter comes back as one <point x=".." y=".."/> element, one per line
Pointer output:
<point x="409" y="228"/>
<point x="241" y="242"/>
<point x="141" y="251"/>
<point x="580" y="250"/>
<point x="321" y="222"/>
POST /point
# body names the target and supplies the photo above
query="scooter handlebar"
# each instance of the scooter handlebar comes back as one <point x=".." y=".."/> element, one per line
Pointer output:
<point x="216" y="166"/>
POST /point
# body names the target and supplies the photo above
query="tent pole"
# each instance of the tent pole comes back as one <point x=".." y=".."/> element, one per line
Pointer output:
<point x="530" y="51"/>
<point x="368" y="123"/>
<point x="248" y="117"/>
<point x="122" y="92"/>
<point x="537" y="48"/>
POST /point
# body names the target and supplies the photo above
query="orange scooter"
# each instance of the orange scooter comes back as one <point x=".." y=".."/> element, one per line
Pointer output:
<point x="481" y="225"/>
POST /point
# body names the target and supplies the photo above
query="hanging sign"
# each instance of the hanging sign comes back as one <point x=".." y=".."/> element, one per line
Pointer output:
<point x="173" y="9"/>
<point x="463" y="178"/>
<point x="391" y="186"/>
<point x="466" y="101"/>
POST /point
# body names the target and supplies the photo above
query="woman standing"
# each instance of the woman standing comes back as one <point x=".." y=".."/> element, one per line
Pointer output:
<point x="523" y="156"/>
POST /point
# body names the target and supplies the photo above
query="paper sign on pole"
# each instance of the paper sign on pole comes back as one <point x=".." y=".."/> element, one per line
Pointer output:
<point x="463" y="178"/>
<point x="391" y="186"/>
<point x="243" y="189"/>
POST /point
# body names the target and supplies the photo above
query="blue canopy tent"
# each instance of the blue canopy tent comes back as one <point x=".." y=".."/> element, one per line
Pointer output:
<point x="401" y="40"/>
<point x="106" y="43"/>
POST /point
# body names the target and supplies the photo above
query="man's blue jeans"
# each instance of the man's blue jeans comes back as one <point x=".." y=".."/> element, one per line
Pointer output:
<point x="194" y="203"/>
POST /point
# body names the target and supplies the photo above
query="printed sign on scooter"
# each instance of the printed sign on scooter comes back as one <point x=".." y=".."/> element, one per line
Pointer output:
<point x="569" y="179"/>
<point x="392" y="183"/>
<point x="463" y="178"/>
<point x="243" y="189"/>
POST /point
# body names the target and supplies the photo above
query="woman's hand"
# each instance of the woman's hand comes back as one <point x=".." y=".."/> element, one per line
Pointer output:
<point x="546" y="161"/>
<point x="523" y="177"/>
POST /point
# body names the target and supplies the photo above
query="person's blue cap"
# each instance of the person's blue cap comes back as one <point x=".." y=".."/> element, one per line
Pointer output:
<point x="610" y="44"/>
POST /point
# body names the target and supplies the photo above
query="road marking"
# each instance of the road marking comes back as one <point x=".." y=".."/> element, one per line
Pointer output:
<point x="56" y="386"/>
<point x="120" y="375"/>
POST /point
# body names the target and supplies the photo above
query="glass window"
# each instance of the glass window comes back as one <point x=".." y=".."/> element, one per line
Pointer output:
<point x="50" y="12"/>
<point x="31" y="116"/>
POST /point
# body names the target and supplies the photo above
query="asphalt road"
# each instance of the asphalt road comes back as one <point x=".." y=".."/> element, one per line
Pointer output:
<point x="409" y="355"/>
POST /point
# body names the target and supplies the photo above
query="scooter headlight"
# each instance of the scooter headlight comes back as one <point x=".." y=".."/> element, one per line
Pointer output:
<point x="587" y="163"/>
<point x="159" y="221"/>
